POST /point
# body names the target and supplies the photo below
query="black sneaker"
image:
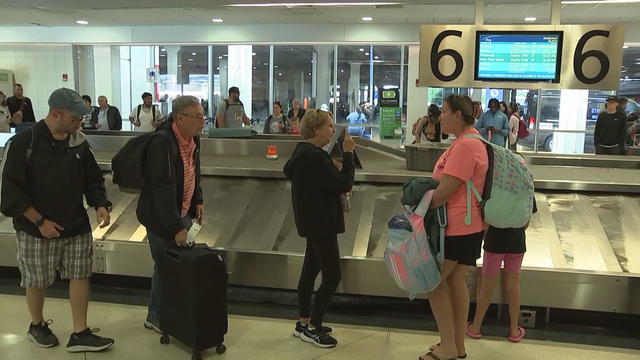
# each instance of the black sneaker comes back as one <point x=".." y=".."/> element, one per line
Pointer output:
<point x="300" y="328"/>
<point x="88" y="341"/>
<point x="41" y="335"/>
<point x="318" y="338"/>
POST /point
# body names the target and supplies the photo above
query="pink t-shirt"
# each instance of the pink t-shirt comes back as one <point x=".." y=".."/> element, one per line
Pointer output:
<point x="466" y="159"/>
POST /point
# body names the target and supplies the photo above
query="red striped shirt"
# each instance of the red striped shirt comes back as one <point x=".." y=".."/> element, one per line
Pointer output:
<point x="187" y="148"/>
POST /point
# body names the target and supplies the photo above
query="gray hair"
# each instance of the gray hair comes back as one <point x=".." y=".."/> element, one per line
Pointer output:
<point x="313" y="119"/>
<point x="180" y="103"/>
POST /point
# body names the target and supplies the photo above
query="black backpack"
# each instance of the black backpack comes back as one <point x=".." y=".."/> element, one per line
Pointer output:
<point x="128" y="164"/>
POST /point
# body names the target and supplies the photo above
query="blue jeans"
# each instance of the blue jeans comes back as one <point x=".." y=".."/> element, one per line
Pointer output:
<point x="158" y="247"/>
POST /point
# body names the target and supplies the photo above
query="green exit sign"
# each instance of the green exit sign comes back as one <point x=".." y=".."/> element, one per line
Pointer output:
<point x="389" y="94"/>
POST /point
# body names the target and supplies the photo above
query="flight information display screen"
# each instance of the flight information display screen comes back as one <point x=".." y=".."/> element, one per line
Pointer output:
<point x="518" y="56"/>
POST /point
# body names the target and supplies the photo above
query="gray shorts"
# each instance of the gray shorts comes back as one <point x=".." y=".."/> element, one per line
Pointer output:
<point x="38" y="259"/>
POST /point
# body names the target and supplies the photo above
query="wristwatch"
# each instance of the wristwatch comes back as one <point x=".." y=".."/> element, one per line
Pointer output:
<point x="39" y="222"/>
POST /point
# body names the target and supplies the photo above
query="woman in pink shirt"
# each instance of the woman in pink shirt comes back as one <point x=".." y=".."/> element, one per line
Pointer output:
<point x="465" y="160"/>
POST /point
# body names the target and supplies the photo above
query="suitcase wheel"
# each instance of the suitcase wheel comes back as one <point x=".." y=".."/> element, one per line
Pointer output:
<point x="164" y="339"/>
<point x="220" y="349"/>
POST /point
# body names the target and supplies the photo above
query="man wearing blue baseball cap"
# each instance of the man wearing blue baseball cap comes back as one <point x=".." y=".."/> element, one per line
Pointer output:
<point x="47" y="173"/>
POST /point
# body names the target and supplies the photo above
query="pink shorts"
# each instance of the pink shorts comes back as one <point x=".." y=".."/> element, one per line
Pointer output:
<point x="491" y="263"/>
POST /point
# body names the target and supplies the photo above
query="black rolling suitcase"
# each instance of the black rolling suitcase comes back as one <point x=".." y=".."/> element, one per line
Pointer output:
<point x="193" y="298"/>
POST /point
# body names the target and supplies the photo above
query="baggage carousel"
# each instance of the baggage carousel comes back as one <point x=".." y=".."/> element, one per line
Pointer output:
<point x="583" y="244"/>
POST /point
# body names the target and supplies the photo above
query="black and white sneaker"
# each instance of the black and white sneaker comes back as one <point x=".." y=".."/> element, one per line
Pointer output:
<point x="318" y="338"/>
<point x="88" y="341"/>
<point x="297" y="331"/>
<point x="41" y="335"/>
<point x="152" y="325"/>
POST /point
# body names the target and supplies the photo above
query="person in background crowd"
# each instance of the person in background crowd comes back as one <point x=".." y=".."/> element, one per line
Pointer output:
<point x="231" y="112"/>
<point x="316" y="186"/>
<point x="477" y="110"/>
<point x="429" y="126"/>
<point x="514" y="125"/>
<point x="105" y="116"/>
<point x="146" y="116"/>
<point x="86" y="120"/>
<point x="295" y="113"/>
<point x="623" y="102"/>
<point x="610" y="134"/>
<point x="504" y="108"/>
<point x="172" y="195"/>
<point x="465" y="160"/>
<point x="501" y="246"/>
<point x="44" y="191"/>
<point x="277" y="123"/>
<point x="357" y="117"/>
<point x="20" y="107"/>
<point x="5" y="114"/>
<point x="494" y="124"/>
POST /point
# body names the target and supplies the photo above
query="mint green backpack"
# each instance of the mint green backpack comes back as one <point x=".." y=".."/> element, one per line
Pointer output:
<point x="507" y="199"/>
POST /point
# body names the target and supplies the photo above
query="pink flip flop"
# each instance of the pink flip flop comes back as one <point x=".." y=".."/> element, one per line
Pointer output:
<point x="472" y="334"/>
<point x="517" y="339"/>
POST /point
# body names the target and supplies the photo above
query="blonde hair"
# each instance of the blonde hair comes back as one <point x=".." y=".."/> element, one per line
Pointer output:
<point x="311" y="121"/>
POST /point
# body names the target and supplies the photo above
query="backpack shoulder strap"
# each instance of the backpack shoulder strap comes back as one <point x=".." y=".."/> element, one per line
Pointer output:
<point x="138" y="114"/>
<point x="153" y="111"/>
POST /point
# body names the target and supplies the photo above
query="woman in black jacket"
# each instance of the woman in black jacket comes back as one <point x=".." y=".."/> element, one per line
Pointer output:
<point x="316" y="187"/>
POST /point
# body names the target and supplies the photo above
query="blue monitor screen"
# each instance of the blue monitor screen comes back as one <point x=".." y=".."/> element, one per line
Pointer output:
<point x="518" y="56"/>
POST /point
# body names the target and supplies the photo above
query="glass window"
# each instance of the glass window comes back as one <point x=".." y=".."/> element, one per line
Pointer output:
<point x="183" y="70"/>
<point x="260" y="107"/>
<point x="293" y="74"/>
<point x="354" y="99"/>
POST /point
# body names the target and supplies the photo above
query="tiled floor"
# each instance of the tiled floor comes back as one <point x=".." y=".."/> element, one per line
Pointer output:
<point x="260" y="338"/>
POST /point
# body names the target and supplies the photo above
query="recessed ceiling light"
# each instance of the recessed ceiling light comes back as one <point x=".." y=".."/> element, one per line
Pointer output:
<point x="194" y="54"/>
<point x="217" y="20"/>
<point x="367" y="18"/>
<point x="163" y="49"/>
<point x="341" y="70"/>
<point x="217" y="67"/>
<point x="530" y="18"/>
<point x="279" y="74"/>
<point x="276" y="66"/>
<point x="367" y="54"/>
<point x="190" y="59"/>
<point x="625" y="47"/>
<point x="309" y="74"/>
<point x="265" y="64"/>
<point x="82" y="22"/>
<point x="220" y="57"/>
<point x="253" y="54"/>
<point x="225" y="54"/>
<point x="590" y="2"/>
<point x="361" y="49"/>
<point x="294" y="4"/>
<point x="376" y="57"/>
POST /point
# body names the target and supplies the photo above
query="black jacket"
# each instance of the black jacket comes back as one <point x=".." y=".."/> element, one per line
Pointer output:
<point x="301" y="112"/>
<point x="15" y="104"/>
<point x="160" y="202"/>
<point x="113" y="118"/>
<point x="316" y="185"/>
<point x="53" y="180"/>
<point x="611" y="130"/>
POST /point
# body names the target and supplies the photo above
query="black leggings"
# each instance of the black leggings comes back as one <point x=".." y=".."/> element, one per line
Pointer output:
<point x="322" y="254"/>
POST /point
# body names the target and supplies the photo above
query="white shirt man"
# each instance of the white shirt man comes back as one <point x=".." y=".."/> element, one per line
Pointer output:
<point x="146" y="116"/>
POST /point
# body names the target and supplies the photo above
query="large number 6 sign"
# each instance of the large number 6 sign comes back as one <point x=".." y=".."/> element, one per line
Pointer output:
<point x="437" y="55"/>
<point x="579" y="58"/>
